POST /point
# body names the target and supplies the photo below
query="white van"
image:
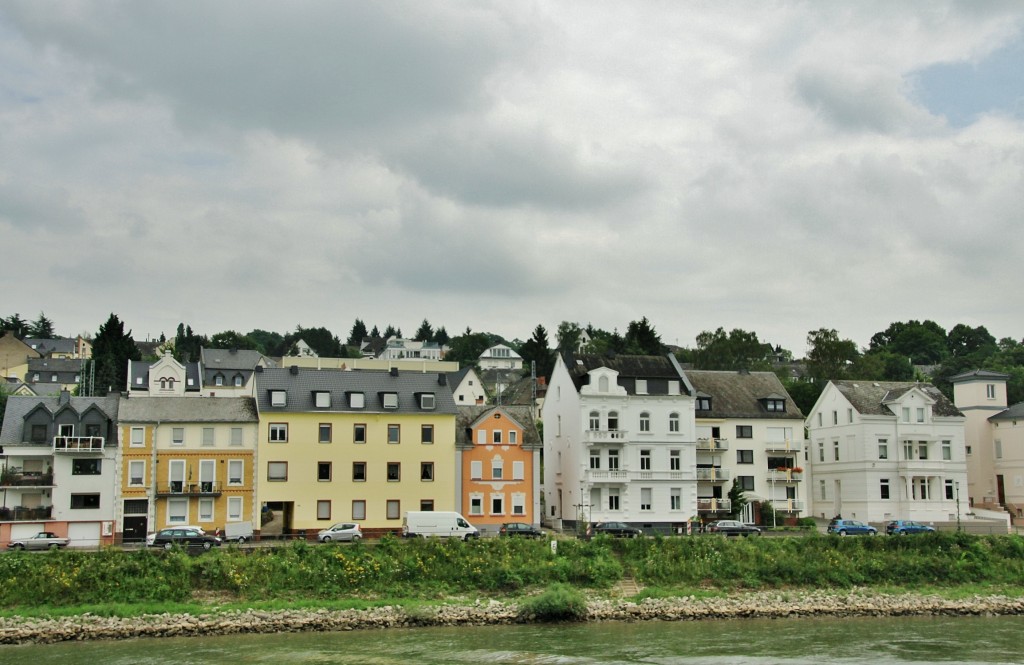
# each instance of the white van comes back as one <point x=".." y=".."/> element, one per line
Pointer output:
<point x="439" y="524"/>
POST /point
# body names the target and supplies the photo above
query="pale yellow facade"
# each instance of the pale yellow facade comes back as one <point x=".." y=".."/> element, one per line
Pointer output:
<point x="324" y="467"/>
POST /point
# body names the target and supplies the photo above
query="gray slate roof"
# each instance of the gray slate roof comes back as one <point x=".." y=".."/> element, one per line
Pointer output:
<point x="979" y="375"/>
<point x="47" y="346"/>
<point x="736" y="395"/>
<point x="656" y="370"/>
<point x="188" y="409"/>
<point x="301" y="385"/>
<point x="523" y="415"/>
<point x="73" y="365"/>
<point x="869" y="397"/>
<point x="19" y="406"/>
<point x="1015" y="412"/>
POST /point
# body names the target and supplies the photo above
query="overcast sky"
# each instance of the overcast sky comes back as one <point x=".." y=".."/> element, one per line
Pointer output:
<point x="776" y="167"/>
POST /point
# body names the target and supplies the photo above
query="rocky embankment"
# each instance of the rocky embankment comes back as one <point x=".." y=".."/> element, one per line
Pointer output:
<point x="761" y="605"/>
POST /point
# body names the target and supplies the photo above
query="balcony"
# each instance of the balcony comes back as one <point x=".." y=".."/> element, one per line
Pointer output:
<point x="713" y="505"/>
<point x="623" y="476"/>
<point x="786" y="446"/>
<point x="12" y="477"/>
<point x="605" y="436"/>
<point x="23" y="514"/>
<point x="78" y="444"/>
<point x="712" y="445"/>
<point x="177" y="488"/>
<point x="787" y="476"/>
<point x="788" y="505"/>
<point x="713" y="475"/>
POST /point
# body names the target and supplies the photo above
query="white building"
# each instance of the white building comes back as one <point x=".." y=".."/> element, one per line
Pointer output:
<point x="467" y="389"/>
<point x="882" y="450"/>
<point x="404" y="349"/>
<point x="500" y="357"/>
<point x="748" y="431"/>
<point x="619" y="442"/>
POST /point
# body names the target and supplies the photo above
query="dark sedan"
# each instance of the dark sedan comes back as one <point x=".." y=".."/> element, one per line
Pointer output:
<point x="733" y="528"/>
<point x="520" y="529"/>
<point x="616" y="529"/>
<point x="184" y="537"/>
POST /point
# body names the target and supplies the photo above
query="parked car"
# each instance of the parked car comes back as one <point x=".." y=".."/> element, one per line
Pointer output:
<point x="150" y="537"/>
<point x="340" y="531"/>
<point x="851" y="528"/>
<point x="188" y="537"/>
<point x="904" y="527"/>
<point x="616" y="529"/>
<point x="520" y="529"/>
<point x="732" y="528"/>
<point x="44" y="540"/>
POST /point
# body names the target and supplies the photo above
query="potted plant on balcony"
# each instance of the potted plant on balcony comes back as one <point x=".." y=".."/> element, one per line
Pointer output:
<point x="798" y="469"/>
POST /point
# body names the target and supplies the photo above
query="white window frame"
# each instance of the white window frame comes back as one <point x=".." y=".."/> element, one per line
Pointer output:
<point x="177" y="511"/>
<point x="209" y="437"/>
<point x="133" y="464"/>
<point x="518" y="504"/>
<point x="518" y="470"/>
<point x="205" y="510"/>
<point x="323" y="399"/>
<point x="178" y="436"/>
<point x="497" y="469"/>
<point x="237" y="436"/>
<point x="476" y="503"/>
<point x="277" y="432"/>
<point x="234" y="509"/>
<point x="278" y="398"/>
<point x="240" y="464"/>
<point x="138" y="437"/>
<point x="476" y="470"/>
<point x="357" y="401"/>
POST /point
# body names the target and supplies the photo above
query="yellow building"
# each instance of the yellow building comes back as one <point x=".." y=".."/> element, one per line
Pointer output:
<point x="186" y="460"/>
<point x="360" y="446"/>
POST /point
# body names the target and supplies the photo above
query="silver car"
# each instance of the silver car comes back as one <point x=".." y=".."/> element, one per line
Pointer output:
<point x="341" y="531"/>
<point x="44" y="540"/>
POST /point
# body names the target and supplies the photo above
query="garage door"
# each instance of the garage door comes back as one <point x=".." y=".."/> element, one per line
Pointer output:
<point x="84" y="534"/>
<point x="26" y="530"/>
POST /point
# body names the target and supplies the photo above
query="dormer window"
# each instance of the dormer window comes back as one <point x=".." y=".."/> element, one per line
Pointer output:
<point x="323" y="399"/>
<point x="641" y="386"/>
<point x="427" y="401"/>
<point x="278" y="398"/>
<point x="390" y="400"/>
<point x="238" y="380"/>
<point x="357" y="400"/>
<point x="775" y="405"/>
<point x="218" y="380"/>
<point x="703" y="403"/>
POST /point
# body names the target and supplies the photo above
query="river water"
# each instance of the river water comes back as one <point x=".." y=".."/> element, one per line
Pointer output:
<point x="732" y="642"/>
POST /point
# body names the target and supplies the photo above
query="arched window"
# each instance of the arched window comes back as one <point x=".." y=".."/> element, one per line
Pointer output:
<point x="673" y="422"/>
<point x="613" y="421"/>
<point x="602" y="384"/>
<point x="238" y="380"/>
<point x="595" y="420"/>
<point x="170" y="384"/>
<point x="163" y="384"/>
<point x="645" y="422"/>
<point x="218" y="380"/>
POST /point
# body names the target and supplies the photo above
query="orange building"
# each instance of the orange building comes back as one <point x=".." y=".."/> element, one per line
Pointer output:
<point x="498" y="451"/>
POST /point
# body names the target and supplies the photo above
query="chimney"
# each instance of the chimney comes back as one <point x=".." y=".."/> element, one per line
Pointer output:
<point x="394" y="372"/>
<point x="65" y="397"/>
<point x="442" y="379"/>
<point x="294" y="370"/>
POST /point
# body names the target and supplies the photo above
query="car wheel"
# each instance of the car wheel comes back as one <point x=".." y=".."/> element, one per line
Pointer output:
<point x="168" y="546"/>
<point x="902" y="533"/>
<point x="871" y="533"/>
<point x="19" y="546"/>
<point x="356" y="538"/>
<point x="842" y="532"/>
<point x="54" y="546"/>
<point x="207" y="544"/>
<point x="241" y="540"/>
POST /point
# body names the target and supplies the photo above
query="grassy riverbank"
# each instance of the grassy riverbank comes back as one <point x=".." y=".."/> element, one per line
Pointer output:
<point x="423" y="572"/>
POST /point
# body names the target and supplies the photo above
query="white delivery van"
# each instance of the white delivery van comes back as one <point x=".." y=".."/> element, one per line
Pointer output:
<point x="238" y="532"/>
<point x="439" y="524"/>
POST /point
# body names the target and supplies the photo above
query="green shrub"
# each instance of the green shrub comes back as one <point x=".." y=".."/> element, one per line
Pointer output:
<point x="560" y="602"/>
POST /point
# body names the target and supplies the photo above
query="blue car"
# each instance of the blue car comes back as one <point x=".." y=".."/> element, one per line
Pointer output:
<point x="851" y="528"/>
<point x="904" y="527"/>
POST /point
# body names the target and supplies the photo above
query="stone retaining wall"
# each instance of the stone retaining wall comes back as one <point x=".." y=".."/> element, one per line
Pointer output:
<point x="763" y="605"/>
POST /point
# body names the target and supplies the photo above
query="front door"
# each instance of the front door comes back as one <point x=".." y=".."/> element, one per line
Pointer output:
<point x="1000" y="491"/>
<point x="134" y="529"/>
